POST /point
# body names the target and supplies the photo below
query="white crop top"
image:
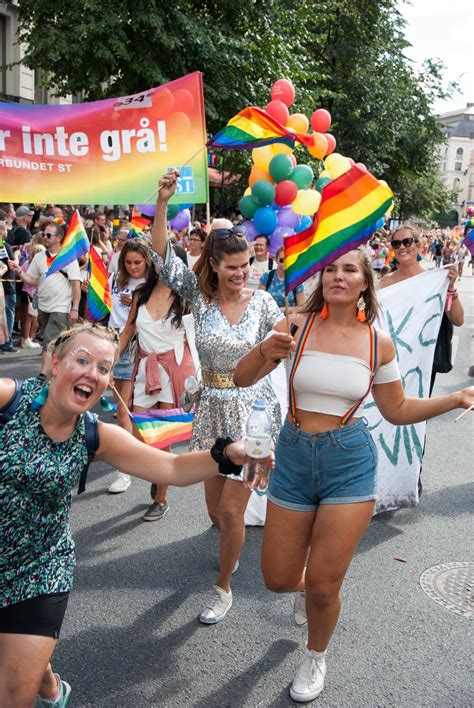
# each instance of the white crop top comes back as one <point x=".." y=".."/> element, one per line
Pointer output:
<point x="332" y="383"/>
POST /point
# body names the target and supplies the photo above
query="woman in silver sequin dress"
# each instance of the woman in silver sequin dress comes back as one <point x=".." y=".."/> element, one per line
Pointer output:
<point x="229" y="320"/>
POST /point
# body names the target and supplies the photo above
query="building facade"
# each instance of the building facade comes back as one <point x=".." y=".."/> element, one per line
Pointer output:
<point x="457" y="156"/>
<point x="19" y="84"/>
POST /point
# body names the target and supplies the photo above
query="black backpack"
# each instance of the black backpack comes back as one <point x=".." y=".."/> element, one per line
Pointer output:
<point x="90" y="423"/>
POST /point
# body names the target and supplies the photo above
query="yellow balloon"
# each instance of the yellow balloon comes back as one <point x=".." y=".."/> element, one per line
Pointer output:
<point x="281" y="149"/>
<point x="298" y="122"/>
<point x="336" y="165"/>
<point x="307" y="202"/>
<point x="324" y="173"/>
<point x="248" y="191"/>
<point x="383" y="183"/>
<point x="261" y="156"/>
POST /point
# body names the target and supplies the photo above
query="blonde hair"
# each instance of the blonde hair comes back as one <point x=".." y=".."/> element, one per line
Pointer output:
<point x="61" y="345"/>
<point x="406" y="227"/>
<point x="35" y="248"/>
<point x="315" y="303"/>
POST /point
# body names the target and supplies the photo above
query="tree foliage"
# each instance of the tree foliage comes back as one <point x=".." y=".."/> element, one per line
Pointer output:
<point x="348" y="57"/>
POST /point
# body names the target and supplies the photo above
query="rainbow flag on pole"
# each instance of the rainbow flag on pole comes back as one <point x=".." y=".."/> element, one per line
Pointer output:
<point x="351" y="207"/>
<point x="253" y="128"/>
<point x="161" y="428"/>
<point x="99" y="298"/>
<point x="75" y="244"/>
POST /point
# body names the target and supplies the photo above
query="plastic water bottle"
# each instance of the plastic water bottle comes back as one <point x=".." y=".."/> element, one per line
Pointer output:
<point x="258" y="447"/>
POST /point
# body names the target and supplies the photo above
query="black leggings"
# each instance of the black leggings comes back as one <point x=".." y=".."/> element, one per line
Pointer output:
<point x="42" y="615"/>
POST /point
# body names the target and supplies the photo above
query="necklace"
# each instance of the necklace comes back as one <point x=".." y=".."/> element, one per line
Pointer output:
<point x="231" y="317"/>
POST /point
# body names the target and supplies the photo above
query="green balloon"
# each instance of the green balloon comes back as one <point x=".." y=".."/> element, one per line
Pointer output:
<point x="280" y="168"/>
<point x="322" y="182"/>
<point x="248" y="206"/>
<point x="172" y="211"/>
<point x="302" y="176"/>
<point x="263" y="192"/>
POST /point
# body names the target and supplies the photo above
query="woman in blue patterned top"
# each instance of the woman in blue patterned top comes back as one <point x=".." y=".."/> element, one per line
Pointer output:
<point x="42" y="453"/>
<point x="273" y="281"/>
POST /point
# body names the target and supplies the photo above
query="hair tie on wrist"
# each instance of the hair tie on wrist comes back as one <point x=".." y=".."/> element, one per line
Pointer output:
<point x="226" y="466"/>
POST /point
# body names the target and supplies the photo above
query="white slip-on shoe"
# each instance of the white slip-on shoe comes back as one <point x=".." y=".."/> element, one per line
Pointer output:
<point x="217" y="605"/>
<point x="120" y="484"/>
<point x="309" y="679"/>
<point x="299" y="609"/>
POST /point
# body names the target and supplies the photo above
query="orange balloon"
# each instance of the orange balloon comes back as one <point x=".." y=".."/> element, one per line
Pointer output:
<point x="319" y="147"/>
<point x="257" y="173"/>
<point x="298" y="122"/>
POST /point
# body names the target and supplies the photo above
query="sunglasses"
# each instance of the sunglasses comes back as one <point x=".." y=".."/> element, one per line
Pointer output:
<point x="225" y="233"/>
<point x="45" y="235"/>
<point x="404" y="242"/>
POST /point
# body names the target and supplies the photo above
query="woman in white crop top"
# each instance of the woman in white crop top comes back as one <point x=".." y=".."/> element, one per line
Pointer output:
<point x="322" y="492"/>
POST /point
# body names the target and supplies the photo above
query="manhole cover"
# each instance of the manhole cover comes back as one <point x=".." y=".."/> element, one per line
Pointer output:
<point x="451" y="585"/>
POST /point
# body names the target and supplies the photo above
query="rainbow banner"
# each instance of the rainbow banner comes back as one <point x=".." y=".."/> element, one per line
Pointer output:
<point x="352" y="207"/>
<point x="469" y="241"/>
<point x="75" y="244"/>
<point x="105" y="152"/>
<point x="253" y="128"/>
<point x="161" y="428"/>
<point x="99" y="298"/>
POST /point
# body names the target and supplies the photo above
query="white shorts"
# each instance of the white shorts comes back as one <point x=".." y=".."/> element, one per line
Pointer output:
<point x="140" y="398"/>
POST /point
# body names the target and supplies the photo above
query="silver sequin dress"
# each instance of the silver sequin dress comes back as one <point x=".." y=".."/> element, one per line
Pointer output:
<point x="220" y="345"/>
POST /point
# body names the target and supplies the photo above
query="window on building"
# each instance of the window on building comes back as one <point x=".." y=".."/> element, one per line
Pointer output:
<point x="456" y="183"/>
<point x="459" y="153"/>
<point x="457" y="166"/>
<point x="41" y="93"/>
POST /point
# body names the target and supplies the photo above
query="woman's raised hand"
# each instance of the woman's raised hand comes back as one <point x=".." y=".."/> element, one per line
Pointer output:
<point x="167" y="185"/>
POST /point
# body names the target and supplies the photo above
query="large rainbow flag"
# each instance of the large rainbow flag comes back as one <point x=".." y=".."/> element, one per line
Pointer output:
<point x="351" y="206"/>
<point x="75" y="244"/>
<point x="161" y="428"/>
<point x="253" y="128"/>
<point x="99" y="298"/>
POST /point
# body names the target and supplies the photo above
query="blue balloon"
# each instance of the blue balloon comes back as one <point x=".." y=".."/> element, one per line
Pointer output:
<point x="265" y="220"/>
<point x="185" y="206"/>
<point x="305" y="223"/>
<point x="275" y="206"/>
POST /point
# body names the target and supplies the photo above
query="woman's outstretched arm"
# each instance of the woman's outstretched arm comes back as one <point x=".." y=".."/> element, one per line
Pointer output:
<point x="159" y="231"/>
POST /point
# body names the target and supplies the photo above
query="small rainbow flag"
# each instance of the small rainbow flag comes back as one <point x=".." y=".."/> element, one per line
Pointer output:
<point x="253" y="128"/>
<point x="469" y="241"/>
<point x="139" y="222"/>
<point x="99" y="298"/>
<point x="161" y="428"/>
<point x="75" y="244"/>
<point x="351" y="207"/>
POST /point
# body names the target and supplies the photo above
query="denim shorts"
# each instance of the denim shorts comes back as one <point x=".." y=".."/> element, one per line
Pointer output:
<point x="336" y="467"/>
<point x="123" y="368"/>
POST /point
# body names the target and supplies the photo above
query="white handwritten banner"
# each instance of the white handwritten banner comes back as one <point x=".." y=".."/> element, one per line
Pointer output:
<point x="411" y="313"/>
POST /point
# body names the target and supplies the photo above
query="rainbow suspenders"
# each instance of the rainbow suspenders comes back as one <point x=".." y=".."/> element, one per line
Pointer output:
<point x="299" y="353"/>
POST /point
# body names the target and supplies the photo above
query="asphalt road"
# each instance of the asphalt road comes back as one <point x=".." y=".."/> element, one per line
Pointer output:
<point x="131" y="636"/>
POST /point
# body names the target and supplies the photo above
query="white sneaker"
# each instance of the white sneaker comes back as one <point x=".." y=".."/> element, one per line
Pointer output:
<point x="217" y="605"/>
<point x="29" y="344"/>
<point x="120" y="484"/>
<point x="309" y="680"/>
<point x="299" y="609"/>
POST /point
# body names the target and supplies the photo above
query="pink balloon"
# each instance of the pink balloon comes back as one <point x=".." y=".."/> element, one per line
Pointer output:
<point x="351" y="161"/>
<point x="293" y="159"/>
<point x="283" y="90"/>
<point x="320" y="120"/>
<point x="361" y="166"/>
<point x="331" y="143"/>
<point x="278" y="110"/>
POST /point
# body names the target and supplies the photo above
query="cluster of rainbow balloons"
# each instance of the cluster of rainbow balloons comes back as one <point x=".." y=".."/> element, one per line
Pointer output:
<point x="280" y="200"/>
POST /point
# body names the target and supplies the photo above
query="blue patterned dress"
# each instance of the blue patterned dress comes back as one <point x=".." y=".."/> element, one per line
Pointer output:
<point x="37" y="476"/>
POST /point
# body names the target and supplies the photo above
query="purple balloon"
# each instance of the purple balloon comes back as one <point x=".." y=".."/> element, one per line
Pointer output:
<point x="278" y="236"/>
<point x="287" y="217"/>
<point x="250" y="230"/>
<point x="181" y="220"/>
<point x="147" y="209"/>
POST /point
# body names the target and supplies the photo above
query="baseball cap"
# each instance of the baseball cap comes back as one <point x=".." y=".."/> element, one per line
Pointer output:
<point x="23" y="211"/>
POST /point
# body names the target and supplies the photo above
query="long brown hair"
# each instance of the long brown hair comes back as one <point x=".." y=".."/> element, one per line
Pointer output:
<point x="133" y="245"/>
<point x="215" y="248"/>
<point x="316" y="302"/>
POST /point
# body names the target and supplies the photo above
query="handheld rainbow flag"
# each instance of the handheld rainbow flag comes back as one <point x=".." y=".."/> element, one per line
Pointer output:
<point x="75" y="244"/>
<point x="253" y="128"/>
<point x="139" y="222"/>
<point x="469" y="241"/>
<point x="351" y="207"/>
<point x="161" y="428"/>
<point x="99" y="298"/>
